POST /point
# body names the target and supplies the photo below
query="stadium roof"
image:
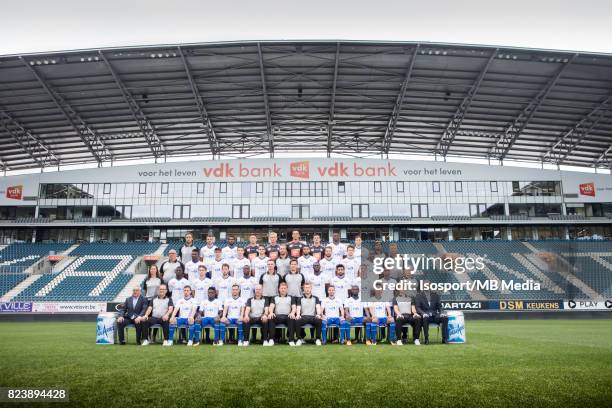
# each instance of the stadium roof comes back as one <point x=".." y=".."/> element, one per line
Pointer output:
<point x="358" y="98"/>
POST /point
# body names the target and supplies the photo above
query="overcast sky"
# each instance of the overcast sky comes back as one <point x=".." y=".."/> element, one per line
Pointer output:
<point x="48" y="25"/>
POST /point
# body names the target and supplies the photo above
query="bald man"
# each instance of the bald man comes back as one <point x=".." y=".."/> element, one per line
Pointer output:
<point x="133" y="312"/>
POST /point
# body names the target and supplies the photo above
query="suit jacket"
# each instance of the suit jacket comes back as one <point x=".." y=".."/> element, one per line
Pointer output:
<point x="434" y="307"/>
<point x="141" y="307"/>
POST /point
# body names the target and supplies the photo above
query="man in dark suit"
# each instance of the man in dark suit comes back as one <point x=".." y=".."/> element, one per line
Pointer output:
<point x="134" y="310"/>
<point x="428" y="305"/>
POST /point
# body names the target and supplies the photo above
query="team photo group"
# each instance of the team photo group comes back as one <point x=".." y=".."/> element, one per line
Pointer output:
<point x="287" y="291"/>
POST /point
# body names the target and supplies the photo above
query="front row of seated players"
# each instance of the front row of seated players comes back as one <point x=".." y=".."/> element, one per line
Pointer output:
<point x="294" y="313"/>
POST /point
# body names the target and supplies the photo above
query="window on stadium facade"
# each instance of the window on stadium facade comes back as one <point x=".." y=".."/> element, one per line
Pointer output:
<point x="360" y="211"/>
<point x="477" y="210"/>
<point x="65" y="212"/>
<point x="419" y="210"/>
<point x="534" y="210"/>
<point x="65" y="191"/>
<point x="115" y="212"/>
<point x="300" y="189"/>
<point x="241" y="211"/>
<point x="417" y="233"/>
<point x="14" y="212"/>
<point x="300" y="211"/>
<point x="493" y="232"/>
<point x="181" y="212"/>
<point x="536" y="188"/>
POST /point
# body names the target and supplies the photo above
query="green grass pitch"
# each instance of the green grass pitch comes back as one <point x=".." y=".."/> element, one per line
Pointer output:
<point x="505" y="363"/>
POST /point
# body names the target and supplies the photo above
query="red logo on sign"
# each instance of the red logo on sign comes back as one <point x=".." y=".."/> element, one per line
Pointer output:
<point x="587" y="189"/>
<point x="14" y="192"/>
<point x="300" y="169"/>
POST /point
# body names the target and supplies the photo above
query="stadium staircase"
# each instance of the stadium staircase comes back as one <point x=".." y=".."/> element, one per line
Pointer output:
<point x="464" y="277"/>
<point x="90" y="272"/>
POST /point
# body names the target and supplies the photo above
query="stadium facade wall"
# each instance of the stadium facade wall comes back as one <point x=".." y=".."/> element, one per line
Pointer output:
<point x="330" y="192"/>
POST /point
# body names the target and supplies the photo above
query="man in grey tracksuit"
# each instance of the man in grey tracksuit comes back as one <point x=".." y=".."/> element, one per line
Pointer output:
<point x="294" y="279"/>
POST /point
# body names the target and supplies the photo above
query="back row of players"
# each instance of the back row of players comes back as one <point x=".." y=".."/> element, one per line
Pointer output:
<point x="224" y="267"/>
<point x="230" y="279"/>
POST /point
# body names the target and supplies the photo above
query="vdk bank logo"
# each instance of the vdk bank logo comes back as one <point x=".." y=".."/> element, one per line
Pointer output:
<point x="14" y="192"/>
<point x="300" y="169"/>
<point x="587" y="189"/>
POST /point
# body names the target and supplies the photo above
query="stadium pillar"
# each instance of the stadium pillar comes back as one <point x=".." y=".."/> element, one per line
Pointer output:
<point x="36" y="211"/>
<point x="563" y="209"/>
<point x="509" y="233"/>
<point x="450" y="234"/>
<point x="390" y="233"/>
<point x="330" y="234"/>
<point x="34" y="235"/>
<point x="94" y="211"/>
<point x="506" y="208"/>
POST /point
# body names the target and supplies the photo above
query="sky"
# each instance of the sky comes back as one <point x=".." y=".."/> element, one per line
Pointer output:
<point x="28" y="26"/>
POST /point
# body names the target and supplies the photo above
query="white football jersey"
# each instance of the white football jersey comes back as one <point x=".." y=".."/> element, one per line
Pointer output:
<point x="351" y="267"/>
<point x="247" y="287"/>
<point x="191" y="269"/>
<point x="215" y="268"/>
<point x="338" y="251"/>
<point x="380" y="308"/>
<point x="357" y="254"/>
<point x="210" y="308"/>
<point x="208" y="253"/>
<point x="185" y="306"/>
<point x="224" y="287"/>
<point x="201" y="288"/>
<point x="318" y="283"/>
<point x="306" y="263"/>
<point x="354" y="306"/>
<point x="176" y="287"/>
<point x="331" y="307"/>
<point x="234" y="307"/>
<point x="260" y="265"/>
<point x="342" y="287"/>
<point x="228" y="253"/>
<point x="328" y="267"/>
<point x="238" y="266"/>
